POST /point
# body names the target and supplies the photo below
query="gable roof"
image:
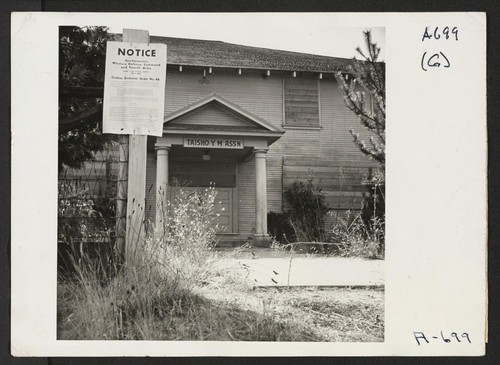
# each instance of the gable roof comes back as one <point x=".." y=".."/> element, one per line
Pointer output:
<point x="205" y="53"/>
<point x="263" y="129"/>
<point x="219" y="100"/>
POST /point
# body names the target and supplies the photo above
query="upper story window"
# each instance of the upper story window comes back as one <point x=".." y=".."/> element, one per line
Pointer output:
<point x="301" y="102"/>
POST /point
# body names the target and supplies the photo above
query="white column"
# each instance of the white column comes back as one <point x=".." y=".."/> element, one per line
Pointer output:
<point x="260" y="194"/>
<point x="161" y="182"/>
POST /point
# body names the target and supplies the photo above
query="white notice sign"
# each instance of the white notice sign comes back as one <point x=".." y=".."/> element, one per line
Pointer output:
<point x="134" y="88"/>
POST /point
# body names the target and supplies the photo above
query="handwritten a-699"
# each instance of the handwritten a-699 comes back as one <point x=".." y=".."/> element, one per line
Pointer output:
<point x="450" y="337"/>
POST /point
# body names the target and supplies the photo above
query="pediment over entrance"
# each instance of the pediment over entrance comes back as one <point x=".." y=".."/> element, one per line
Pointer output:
<point x="216" y="113"/>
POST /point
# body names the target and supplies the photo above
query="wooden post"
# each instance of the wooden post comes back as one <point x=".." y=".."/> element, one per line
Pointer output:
<point x="121" y="194"/>
<point x="136" y="184"/>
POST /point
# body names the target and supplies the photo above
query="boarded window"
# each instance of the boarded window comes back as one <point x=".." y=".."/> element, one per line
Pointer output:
<point x="301" y="102"/>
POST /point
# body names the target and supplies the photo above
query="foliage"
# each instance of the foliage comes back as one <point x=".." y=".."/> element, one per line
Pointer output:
<point x="128" y="301"/>
<point x="355" y="238"/>
<point x="160" y="292"/>
<point x="373" y="208"/>
<point x="279" y="227"/>
<point x="184" y="240"/>
<point x="307" y="211"/>
<point x="79" y="217"/>
<point x="82" y="53"/>
<point x="369" y="74"/>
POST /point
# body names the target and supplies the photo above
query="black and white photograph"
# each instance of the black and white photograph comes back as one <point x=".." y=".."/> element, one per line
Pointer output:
<point x="256" y="212"/>
<point x="222" y="178"/>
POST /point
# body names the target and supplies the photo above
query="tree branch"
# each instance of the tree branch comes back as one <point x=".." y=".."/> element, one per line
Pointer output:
<point x="74" y="121"/>
<point x="82" y="91"/>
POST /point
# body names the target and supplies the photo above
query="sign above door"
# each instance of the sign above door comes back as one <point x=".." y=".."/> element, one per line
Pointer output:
<point x="213" y="143"/>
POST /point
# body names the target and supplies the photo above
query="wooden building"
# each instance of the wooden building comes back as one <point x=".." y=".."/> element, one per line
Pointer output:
<point x="252" y="121"/>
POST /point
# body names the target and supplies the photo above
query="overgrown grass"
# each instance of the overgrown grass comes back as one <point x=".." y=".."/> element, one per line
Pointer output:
<point x="155" y="293"/>
<point x="173" y="288"/>
<point x="355" y="238"/>
<point x="148" y="303"/>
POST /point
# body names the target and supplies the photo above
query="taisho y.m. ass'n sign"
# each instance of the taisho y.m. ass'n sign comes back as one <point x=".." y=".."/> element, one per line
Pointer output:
<point x="213" y="143"/>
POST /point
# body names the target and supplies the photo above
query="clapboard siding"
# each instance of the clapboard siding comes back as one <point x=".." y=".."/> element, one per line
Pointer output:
<point x="332" y="142"/>
<point x="274" y="165"/>
<point x="337" y="121"/>
<point x="253" y="92"/>
<point x="213" y="116"/>
<point x="260" y="95"/>
<point x="96" y="174"/>
<point x="325" y="153"/>
<point x="342" y="185"/>
<point x="246" y="197"/>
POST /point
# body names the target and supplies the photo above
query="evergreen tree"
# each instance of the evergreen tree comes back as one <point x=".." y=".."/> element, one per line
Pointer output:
<point x="364" y="94"/>
<point x="82" y="54"/>
<point x="369" y="74"/>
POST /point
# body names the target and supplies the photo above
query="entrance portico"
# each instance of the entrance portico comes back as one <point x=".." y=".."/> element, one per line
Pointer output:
<point x="214" y="141"/>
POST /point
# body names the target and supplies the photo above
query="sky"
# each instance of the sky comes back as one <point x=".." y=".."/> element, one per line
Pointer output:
<point x="315" y="33"/>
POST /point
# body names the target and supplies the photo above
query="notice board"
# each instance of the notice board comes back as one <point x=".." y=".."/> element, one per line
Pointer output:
<point x="134" y="88"/>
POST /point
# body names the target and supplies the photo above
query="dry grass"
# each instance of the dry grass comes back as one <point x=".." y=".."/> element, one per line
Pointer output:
<point x="324" y="314"/>
<point x="172" y="288"/>
<point x="228" y="311"/>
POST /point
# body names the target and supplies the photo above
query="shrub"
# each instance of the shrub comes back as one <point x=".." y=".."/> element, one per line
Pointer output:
<point x="307" y="211"/>
<point x="356" y="239"/>
<point x="279" y="226"/>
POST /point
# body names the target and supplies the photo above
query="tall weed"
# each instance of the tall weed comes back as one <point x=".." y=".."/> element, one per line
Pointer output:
<point x="354" y="238"/>
<point x="127" y="299"/>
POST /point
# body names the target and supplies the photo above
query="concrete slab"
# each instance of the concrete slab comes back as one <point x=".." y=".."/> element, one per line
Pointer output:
<point x="264" y="269"/>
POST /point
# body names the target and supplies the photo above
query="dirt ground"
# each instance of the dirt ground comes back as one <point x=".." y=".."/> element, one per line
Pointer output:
<point x="330" y="314"/>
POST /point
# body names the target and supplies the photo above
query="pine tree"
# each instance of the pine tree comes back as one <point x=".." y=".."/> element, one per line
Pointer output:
<point x="82" y="54"/>
<point x="367" y="76"/>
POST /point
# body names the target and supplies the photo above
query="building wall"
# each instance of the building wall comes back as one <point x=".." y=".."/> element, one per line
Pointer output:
<point x="326" y="153"/>
<point x="258" y="94"/>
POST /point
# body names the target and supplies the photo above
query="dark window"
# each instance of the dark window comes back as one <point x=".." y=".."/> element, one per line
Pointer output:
<point x="301" y="102"/>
